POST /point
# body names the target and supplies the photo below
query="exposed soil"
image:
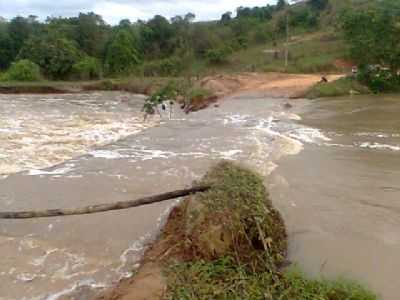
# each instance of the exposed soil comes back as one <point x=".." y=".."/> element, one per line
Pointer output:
<point x="271" y="84"/>
<point x="279" y="85"/>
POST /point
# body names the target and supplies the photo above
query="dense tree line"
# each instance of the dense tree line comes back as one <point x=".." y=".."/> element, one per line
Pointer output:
<point x="373" y="37"/>
<point x="86" y="47"/>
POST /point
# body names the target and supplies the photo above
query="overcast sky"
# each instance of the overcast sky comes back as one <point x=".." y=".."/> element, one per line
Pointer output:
<point x="115" y="10"/>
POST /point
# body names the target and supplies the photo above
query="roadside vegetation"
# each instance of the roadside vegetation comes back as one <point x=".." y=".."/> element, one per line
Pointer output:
<point x="322" y="36"/>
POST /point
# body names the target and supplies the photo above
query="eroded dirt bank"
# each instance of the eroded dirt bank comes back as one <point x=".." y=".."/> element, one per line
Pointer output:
<point x="271" y="84"/>
<point x="278" y="85"/>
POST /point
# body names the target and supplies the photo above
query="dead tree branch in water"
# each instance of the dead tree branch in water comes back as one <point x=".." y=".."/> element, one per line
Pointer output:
<point x="103" y="207"/>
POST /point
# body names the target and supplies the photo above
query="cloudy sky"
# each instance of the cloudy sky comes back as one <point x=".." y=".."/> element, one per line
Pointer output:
<point x="115" y="10"/>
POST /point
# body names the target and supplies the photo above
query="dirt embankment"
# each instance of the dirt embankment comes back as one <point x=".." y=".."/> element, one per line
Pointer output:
<point x="270" y="84"/>
<point x="279" y="85"/>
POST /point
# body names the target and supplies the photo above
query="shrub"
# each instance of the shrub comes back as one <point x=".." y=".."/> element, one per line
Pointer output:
<point x="218" y="56"/>
<point x="54" y="54"/>
<point x="122" y="53"/>
<point x="165" y="67"/>
<point x="379" y="79"/>
<point x="23" y="70"/>
<point x="86" y="69"/>
<point x="168" y="92"/>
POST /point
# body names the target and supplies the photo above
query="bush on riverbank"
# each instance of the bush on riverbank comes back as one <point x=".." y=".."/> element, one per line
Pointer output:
<point x="23" y="70"/>
<point x="88" y="68"/>
<point x="230" y="243"/>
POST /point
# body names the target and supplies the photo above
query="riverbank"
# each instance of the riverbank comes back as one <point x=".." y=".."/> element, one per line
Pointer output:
<point x="340" y="87"/>
<point x="199" y="257"/>
<point x="271" y="84"/>
<point x="139" y="85"/>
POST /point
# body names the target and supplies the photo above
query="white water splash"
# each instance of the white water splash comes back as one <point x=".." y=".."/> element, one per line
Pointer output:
<point x="379" y="146"/>
<point x="42" y="131"/>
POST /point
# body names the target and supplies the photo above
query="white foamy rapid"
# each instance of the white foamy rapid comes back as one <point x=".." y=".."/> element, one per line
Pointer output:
<point x="379" y="146"/>
<point x="274" y="137"/>
<point x="40" y="131"/>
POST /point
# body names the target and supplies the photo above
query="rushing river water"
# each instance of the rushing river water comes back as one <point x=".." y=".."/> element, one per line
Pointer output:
<point x="337" y="182"/>
<point x="341" y="197"/>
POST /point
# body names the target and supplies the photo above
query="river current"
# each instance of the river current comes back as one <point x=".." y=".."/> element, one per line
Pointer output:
<point x="332" y="168"/>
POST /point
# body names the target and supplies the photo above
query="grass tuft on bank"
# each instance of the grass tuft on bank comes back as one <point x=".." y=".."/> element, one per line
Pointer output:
<point x="230" y="243"/>
<point x="223" y="279"/>
<point x="341" y="87"/>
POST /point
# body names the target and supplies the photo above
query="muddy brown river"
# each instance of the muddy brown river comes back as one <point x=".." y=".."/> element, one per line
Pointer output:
<point x="332" y="167"/>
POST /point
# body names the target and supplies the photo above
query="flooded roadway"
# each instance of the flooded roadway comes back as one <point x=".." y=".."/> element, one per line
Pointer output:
<point x="338" y="194"/>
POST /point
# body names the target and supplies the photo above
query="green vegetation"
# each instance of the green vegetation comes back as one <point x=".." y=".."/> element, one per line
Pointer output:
<point x="121" y="55"/>
<point x="172" y="66"/>
<point x="22" y="70"/>
<point x="325" y="36"/>
<point x="158" y="47"/>
<point x="224" y="279"/>
<point x="190" y="96"/>
<point x="373" y="36"/>
<point x="88" y="68"/>
<point x="54" y="55"/>
<point x="230" y="243"/>
<point x="341" y="87"/>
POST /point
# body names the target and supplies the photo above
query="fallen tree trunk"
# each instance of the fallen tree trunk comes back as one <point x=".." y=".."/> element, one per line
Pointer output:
<point x="102" y="207"/>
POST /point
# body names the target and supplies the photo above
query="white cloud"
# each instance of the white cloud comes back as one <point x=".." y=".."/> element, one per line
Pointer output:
<point x="115" y="10"/>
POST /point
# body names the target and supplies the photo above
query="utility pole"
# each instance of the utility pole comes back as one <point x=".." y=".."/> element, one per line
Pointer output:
<point x="287" y="40"/>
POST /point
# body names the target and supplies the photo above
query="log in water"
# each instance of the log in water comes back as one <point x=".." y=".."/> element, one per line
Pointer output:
<point x="94" y="209"/>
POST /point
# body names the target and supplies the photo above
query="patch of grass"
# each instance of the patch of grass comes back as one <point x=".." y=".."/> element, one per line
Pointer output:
<point x="229" y="244"/>
<point x="140" y="85"/>
<point x="223" y="279"/>
<point x="315" y="52"/>
<point x="341" y="87"/>
<point x="240" y="201"/>
<point x="312" y="53"/>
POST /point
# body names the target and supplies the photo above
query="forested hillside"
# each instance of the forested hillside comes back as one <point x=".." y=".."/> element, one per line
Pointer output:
<point x="251" y="39"/>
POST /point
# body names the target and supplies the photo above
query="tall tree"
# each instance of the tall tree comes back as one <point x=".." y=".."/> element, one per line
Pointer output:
<point x="122" y="54"/>
<point x="226" y="17"/>
<point x="373" y="37"/>
<point x="281" y="4"/>
<point x="19" y="30"/>
<point x="318" y="4"/>
<point x="54" y="54"/>
<point x="6" y="50"/>
<point x="91" y="33"/>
